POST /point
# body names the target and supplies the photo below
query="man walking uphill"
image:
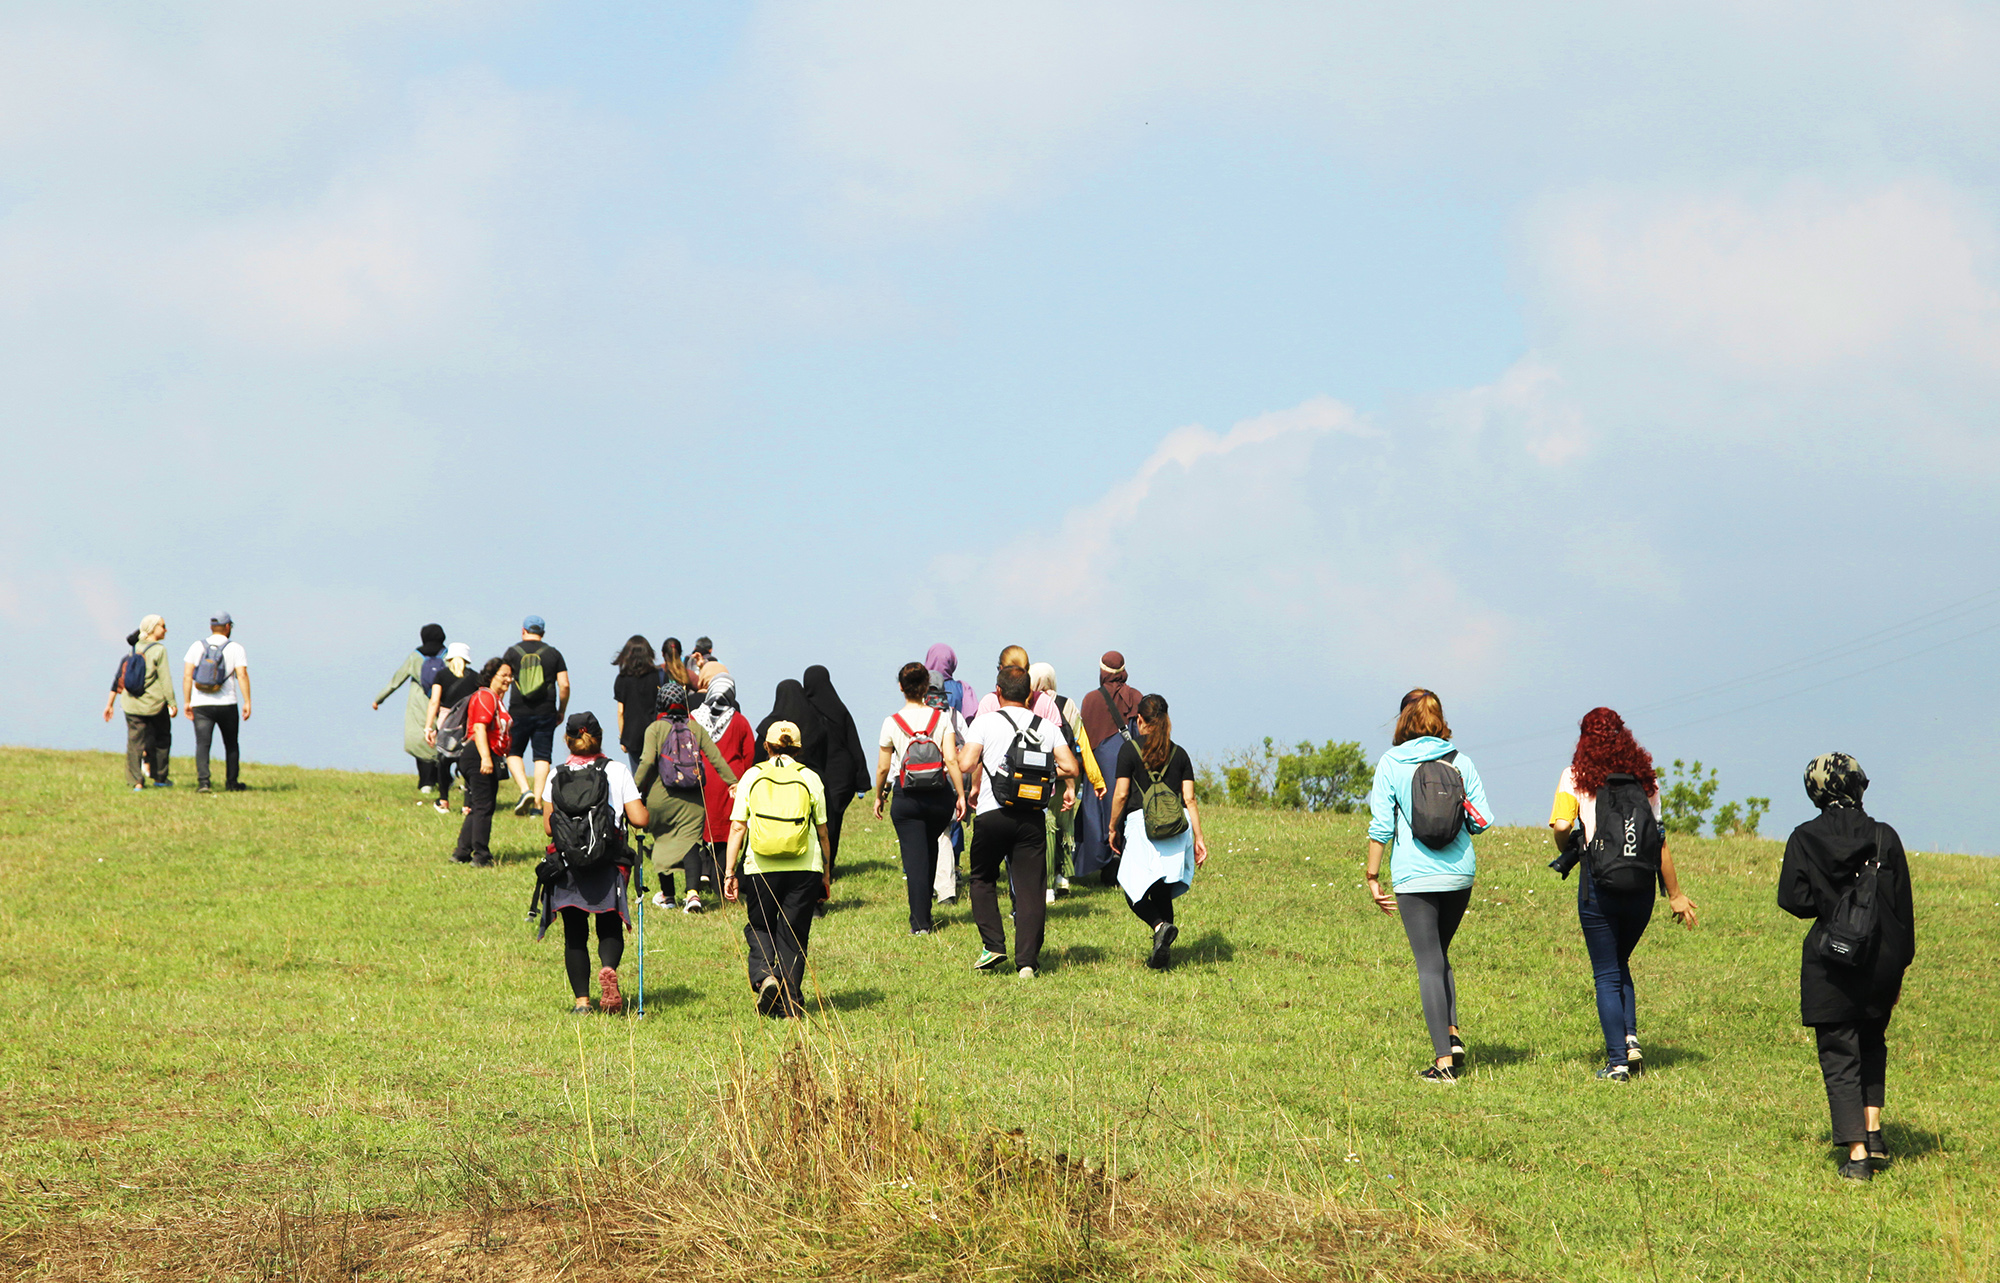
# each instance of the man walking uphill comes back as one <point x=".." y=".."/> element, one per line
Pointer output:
<point x="149" y="710"/>
<point x="541" y="697"/>
<point x="215" y="673"/>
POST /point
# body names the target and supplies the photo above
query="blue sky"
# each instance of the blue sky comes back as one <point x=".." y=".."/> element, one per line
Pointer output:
<point x="1303" y="352"/>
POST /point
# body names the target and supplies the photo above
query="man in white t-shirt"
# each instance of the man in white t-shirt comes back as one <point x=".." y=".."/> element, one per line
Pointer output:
<point x="210" y="691"/>
<point x="1015" y="835"/>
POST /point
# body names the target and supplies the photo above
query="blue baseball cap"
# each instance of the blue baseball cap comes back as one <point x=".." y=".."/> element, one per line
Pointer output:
<point x="221" y="621"/>
<point x="534" y="624"/>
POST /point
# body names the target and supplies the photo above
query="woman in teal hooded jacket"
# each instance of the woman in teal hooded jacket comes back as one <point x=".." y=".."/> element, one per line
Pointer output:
<point x="1433" y="885"/>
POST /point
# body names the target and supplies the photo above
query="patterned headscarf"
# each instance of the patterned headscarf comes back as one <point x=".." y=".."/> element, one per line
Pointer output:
<point x="673" y="697"/>
<point x="1835" y="779"/>
<point x="719" y="708"/>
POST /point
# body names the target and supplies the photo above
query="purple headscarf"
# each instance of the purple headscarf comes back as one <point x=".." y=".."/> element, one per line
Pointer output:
<point x="943" y="660"/>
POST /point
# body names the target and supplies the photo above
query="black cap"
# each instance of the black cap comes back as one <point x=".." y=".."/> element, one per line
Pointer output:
<point x="581" y="722"/>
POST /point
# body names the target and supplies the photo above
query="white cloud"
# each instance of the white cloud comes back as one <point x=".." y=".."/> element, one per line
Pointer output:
<point x="1794" y="285"/>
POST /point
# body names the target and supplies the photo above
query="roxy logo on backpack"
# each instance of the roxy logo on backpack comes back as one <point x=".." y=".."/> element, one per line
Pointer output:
<point x="1624" y="850"/>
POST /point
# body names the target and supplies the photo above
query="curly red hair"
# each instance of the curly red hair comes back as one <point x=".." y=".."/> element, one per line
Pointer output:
<point x="1604" y="748"/>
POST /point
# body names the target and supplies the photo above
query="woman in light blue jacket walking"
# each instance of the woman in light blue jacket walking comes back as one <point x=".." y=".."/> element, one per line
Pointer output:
<point x="1433" y="884"/>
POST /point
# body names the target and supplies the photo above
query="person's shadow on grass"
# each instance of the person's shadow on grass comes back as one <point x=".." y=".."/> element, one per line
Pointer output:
<point x="670" y="996"/>
<point x="1210" y="946"/>
<point x="851" y="999"/>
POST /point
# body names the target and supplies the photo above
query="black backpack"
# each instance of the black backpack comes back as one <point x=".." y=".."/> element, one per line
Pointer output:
<point x="1027" y="776"/>
<point x="581" y="820"/>
<point x="1437" y="802"/>
<point x="1624" y="853"/>
<point x="1847" y="934"/>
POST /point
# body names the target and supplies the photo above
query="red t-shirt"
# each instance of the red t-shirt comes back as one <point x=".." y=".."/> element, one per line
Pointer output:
<point x="485" y="707"/>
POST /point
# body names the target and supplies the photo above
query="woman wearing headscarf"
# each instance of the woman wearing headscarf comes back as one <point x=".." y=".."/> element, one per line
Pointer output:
<point x="730" y="731"/>
<point x="637" y="690"/>
<point x="846" y="772"/>
<point x="1848" y="1002"/>
<point x="789" y="704"/>
<point x="1042" y="678"/>
<point x="942" y="661"/>
<point x="1103" y="723"/>
<point x="1609" y="761"/>
<point x="674" y="747"/>
<point x="430" y="643"/>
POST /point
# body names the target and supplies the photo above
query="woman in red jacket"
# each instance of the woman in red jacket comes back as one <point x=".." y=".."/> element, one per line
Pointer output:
<point x="726" y="725"/>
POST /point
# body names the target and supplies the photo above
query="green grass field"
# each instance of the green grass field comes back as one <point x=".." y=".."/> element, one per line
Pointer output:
<point x="291" y="999"/>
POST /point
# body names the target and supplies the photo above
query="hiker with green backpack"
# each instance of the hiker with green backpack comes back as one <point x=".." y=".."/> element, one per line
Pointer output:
<point x="541" y="698"/>
<point x="777" y="866"/>
<point x="1156" y="824"/>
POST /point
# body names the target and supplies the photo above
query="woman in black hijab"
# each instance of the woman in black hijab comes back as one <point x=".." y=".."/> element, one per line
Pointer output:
<point x="1848" y="1003"/>
<point x="791" y="705"/>
<point x="846" y="772"/>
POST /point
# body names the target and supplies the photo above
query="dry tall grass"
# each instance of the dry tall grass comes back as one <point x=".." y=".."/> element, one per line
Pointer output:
<point x="816" y="1162"/>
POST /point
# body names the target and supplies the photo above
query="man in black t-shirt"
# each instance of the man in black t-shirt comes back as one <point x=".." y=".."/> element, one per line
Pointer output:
<point x="541" y="697"/>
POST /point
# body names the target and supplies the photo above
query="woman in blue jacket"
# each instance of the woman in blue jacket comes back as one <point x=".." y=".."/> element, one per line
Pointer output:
<point x="1433" y="885"/>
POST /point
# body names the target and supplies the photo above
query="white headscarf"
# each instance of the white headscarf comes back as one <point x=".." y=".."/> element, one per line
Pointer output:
<point x="715" y="713"/>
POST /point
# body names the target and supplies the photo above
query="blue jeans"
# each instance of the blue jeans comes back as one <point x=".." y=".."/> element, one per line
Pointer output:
<point x="1612" y="925"/>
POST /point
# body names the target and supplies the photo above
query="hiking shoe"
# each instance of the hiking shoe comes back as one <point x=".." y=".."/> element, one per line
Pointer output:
<point x="1615" y="1074"/>
<point x="582" y="1009"/>
<point x="1856" y="1169"/>
<point x="204" y="789"/>
<point x="482" y="861"/>
<point x="236" y="788"/>
<point x="1878" y="1150"/>
<point x="1434" y="1074"/>
<point x="1457" y="1053"/>
<point x="988" y="960"/>
<point x="609" y="1000"/>
<point x="1026" y="973"/>
<point x="524" y="803"/>
<point x="693" y="904"/>
<point x="1635" y="1059"/>
<point x="460" y="857"/>
<point x="770" y="996"/>
<point x="1164" y="936"/>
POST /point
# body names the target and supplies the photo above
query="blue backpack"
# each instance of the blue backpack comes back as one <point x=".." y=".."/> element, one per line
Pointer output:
<point x="132" y="674"/>
<point x="212" y="670"/>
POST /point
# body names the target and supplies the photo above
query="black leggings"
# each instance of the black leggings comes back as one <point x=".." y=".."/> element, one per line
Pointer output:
<point x="576" y="946"/>
<point x="1154" y="907"/>
<point x="1430" y="919"/>
<point x="920" y="819"/>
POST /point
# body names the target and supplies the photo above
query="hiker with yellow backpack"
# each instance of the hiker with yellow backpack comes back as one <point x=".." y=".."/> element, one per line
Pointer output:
<point x="777" y="866"/>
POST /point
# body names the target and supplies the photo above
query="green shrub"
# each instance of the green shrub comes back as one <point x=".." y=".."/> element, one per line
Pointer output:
<point x="1334" y="776"/>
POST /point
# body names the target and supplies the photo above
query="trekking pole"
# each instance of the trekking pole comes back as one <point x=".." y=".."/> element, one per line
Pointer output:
<point x="639" y="878"/>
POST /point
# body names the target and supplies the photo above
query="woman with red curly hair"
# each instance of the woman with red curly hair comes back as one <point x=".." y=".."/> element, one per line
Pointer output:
<point x="1609" y="765"/>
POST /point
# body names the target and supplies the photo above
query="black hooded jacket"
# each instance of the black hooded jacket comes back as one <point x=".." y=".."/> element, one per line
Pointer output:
<point x="1821" y="859"/>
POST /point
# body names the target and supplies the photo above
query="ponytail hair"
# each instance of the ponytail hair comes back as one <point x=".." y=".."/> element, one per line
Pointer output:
<point x="1158" y="749"/>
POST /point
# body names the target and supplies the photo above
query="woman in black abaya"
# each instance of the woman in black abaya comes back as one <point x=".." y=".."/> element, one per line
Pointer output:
<point x="846" y="772"/>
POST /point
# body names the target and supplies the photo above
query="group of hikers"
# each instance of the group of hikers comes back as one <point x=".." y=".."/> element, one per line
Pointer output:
<point x="754" y="815"/>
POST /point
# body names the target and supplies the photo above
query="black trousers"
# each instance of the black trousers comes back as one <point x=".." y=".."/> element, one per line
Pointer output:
<point x="780" y="927"/>
<point x="1154" y="907"/>
<point x="1021" y="840"/>
<point x="1854" y="1061"/>
<point x="576" y="946"/>
<point x="476" y="830"/>
<point x="837" y="802"/>
<point x="920" y="819"/>
<point x="427" y="772"/>
<point x="445" y="767"/>
<point x="209" y="718"/>
<point x="149" y="738"/>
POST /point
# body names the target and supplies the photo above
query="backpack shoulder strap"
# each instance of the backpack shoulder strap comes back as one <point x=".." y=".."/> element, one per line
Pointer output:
<point x="930" y="730"/>
<point x="897" y="718"/>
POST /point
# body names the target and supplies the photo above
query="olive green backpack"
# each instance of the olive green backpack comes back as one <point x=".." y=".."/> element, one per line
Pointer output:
<point x="1160" y="804"/>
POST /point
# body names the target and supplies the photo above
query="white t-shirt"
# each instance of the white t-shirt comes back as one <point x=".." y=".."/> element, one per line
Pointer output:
<point x="994" y="732"/>
<point x="233" y="658"/>
<point x="950" y="727"/>
<point x="1586" y="804"/>
<point x="617" y="776"/>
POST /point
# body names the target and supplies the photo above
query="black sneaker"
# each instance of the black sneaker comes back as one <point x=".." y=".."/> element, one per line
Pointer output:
<point x="236" y="788"/>
<point x="1164" y="936"/>
<point x="1856" y="1169"/>
<point x="1878" y="1150"/>
<point x="1457" y="1053"/>
<point x="770" y="996"/>
<point x="1438" y="1074"/>
<point x="460" y="857"/>
<point x="482" y="861"/>
<point x="1615" y="1074"/>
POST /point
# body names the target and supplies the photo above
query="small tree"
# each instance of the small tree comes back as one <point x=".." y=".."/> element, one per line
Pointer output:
<point x="1333" y="777"/>
<point x="1687" y="798"/>
<point x="1741" y="819"/>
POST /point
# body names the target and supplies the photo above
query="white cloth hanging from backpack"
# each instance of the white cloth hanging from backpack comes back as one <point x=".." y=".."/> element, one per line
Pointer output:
<point x="1145" y="861"/>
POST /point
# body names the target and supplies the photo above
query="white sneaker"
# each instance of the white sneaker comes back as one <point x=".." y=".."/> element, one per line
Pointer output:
<point x="693" y="904"/>
<point x="523" y="803"/>
<point x="660" y="900"/>
<point x="1049" y="896"/>
<point x="1026" y="973"/>
<point x="1062" y="885"/>
<point x="426" y="790"/>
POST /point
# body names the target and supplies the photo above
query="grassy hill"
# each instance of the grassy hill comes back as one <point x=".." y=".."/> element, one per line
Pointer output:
<point x="279" y="1032"/>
